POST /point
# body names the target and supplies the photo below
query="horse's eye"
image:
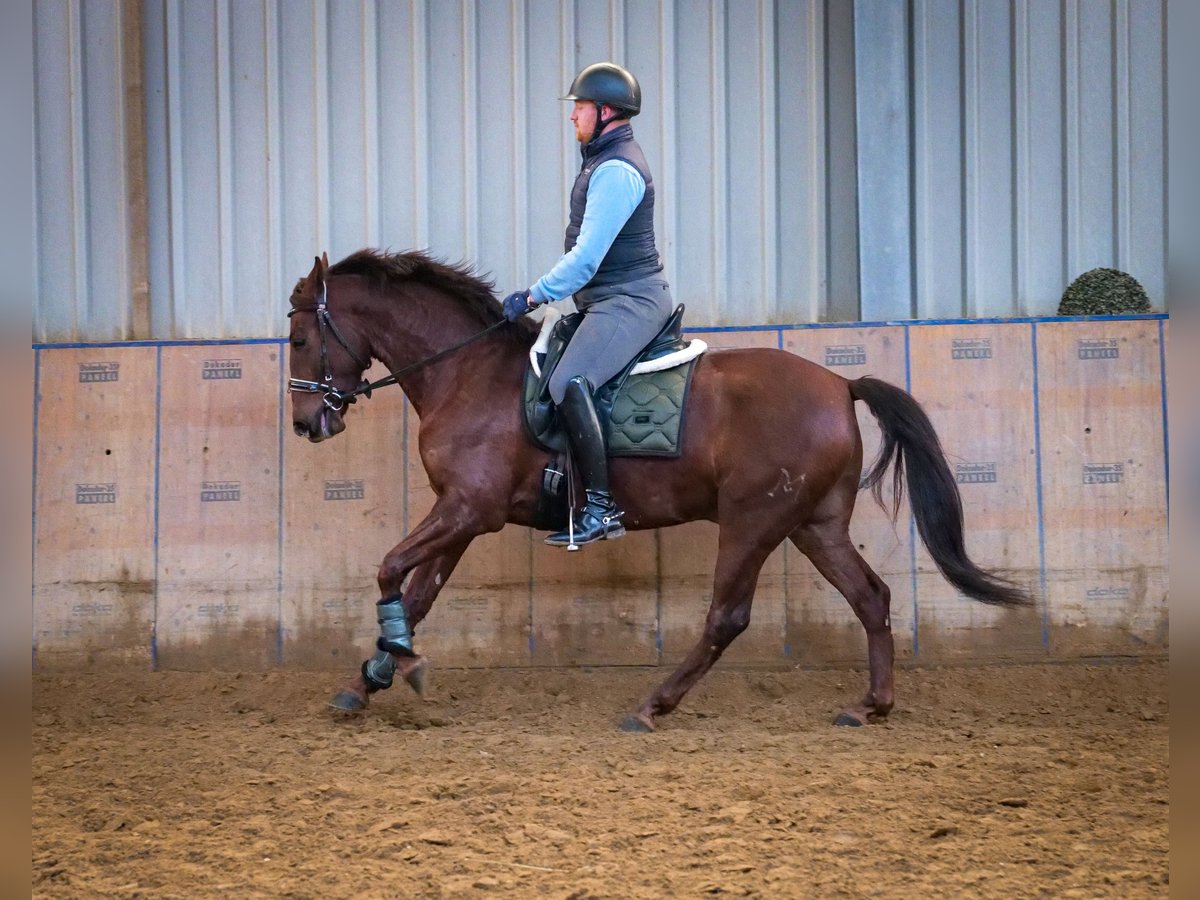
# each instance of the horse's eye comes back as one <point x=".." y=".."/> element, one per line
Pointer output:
<point x="298" y="343"/>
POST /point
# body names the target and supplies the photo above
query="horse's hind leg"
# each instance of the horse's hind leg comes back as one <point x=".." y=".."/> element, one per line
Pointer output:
<point x="739" y="560"/>
<point x="829" y="547"/>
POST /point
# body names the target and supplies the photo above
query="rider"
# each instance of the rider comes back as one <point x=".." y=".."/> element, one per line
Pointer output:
<point x="612" y="267"/>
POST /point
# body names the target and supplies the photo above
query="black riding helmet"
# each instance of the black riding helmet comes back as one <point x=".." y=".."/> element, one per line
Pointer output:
<point x="607" y="83"/>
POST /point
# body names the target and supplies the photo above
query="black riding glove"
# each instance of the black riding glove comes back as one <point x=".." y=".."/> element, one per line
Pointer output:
<point x="516" y="305"/>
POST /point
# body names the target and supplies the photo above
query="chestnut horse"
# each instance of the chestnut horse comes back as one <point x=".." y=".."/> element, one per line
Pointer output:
<point x="771" y="451"/>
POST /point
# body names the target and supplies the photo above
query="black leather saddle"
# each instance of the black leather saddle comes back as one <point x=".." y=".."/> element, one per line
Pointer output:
<point x="541" y="419"/>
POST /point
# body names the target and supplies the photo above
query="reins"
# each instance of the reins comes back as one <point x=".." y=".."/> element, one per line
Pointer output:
<point x="337" y="399"/>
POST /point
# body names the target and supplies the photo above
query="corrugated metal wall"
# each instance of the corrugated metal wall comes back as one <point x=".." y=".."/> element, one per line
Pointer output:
<point x="815" y="159"/>
<point x="83" y="226"/>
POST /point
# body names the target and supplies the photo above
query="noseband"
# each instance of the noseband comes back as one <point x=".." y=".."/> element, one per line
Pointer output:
<point x="337" y="399"/>
<point x="334" y="398"/>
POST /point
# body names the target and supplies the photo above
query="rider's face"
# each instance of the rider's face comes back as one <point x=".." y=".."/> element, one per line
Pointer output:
<point x="583" y="116"/>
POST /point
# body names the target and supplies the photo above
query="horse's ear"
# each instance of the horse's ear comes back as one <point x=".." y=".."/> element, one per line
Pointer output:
<point x="324" y="261"/>
<point x="317" y="275"/>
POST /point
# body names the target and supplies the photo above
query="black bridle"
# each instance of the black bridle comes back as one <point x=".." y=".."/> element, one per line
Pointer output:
<point x="335" y="398"/>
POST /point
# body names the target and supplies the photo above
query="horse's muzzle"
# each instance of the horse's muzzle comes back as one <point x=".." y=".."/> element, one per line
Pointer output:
<point x="328" y="423"/>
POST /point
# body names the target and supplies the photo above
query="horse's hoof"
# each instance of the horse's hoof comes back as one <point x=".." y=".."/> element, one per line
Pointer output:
<point x="348" y="702"/>
<point x="417" y="676"/>
<point x="636" y="724"/>
<point x="849" y="720"/>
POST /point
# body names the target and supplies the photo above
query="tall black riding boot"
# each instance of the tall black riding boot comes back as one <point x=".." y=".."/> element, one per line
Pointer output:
<point x="600" y="519"/>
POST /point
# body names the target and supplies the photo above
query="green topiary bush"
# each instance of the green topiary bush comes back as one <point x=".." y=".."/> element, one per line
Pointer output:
<point x="1104" y="292"/>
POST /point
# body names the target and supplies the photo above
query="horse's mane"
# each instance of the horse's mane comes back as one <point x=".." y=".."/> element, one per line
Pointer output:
<point x="389" y="270"/>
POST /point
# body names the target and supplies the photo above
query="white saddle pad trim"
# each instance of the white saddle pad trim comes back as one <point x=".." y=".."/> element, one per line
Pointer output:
<point x="694" y="348"/>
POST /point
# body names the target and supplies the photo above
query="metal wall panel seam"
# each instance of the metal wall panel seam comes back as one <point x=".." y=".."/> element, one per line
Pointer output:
<point x="135" y="171"/>
<point x="321" y="75"/>
<point x="767" y="162"/>
<point x="1180" y="224"/>
<point x="35" y="219"/>
<point x="570" y="149"/>
<point x="121" y="321"/>
<point x="838" y="216"/>
<point x="79" y="175"/>
<point x="1071" y="136"/>
<point x="971" y="164"/>
<point x="176" y="195"/>
<point x="668" y="234"/>
<point x="369" y="18"/>
<point x="1121" y="136"/>
<point x="1014" y="238"/>
<point x="718" y="257"/>
<point x="884" y="156"/>
<point x="964" y="248"/>
<point x="158" y="170"/>
<point x="616" y="30"/>
<point x="818" y="258"/>
<point x="1043" y="599"/>
<point x="910" y="137"/>
<point x="922" y="203"/>
<point x="274" y="131"/>
<point x="226" y="239"/>
<point x="964" y="193"/>
<point x="519" y="173"/>
<point x="157" y="468"/>
<point x="1022" y="176"/>
<point x="419" y="42"/>
<point x="470" y="114"/>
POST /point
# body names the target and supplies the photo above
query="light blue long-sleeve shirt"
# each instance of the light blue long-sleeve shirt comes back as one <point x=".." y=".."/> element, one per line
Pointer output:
<point x="614" y="192"/>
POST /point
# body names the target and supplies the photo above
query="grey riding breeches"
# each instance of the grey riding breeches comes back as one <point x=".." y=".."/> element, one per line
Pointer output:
<point x="619" y="320"/>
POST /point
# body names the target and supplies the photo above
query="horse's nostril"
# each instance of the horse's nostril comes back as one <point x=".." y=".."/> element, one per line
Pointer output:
<point x="300" y="428"/>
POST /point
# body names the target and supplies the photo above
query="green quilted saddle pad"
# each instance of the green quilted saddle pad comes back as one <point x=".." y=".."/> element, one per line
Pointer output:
<point x="647" y="413"/>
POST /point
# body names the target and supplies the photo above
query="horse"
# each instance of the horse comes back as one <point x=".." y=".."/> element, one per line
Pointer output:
<point x="752" y="414"/>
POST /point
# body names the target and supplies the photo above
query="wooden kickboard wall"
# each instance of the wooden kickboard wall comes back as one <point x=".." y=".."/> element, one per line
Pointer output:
<point x="179" y="524"/>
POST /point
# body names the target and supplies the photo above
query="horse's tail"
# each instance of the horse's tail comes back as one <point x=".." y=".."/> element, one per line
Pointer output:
<point x="910" y="441"/>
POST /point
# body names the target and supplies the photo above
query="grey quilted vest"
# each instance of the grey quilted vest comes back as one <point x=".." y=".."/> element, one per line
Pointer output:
<point x="633" y="254"/>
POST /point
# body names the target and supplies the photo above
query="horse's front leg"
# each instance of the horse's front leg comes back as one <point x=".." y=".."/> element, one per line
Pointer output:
<point x="430" y="553"/>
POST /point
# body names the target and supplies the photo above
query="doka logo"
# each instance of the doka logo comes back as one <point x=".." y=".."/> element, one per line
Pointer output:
<point x="846" y="355"/>
<point x="220" y="491"/>
<point x="96" y="493"/>
<point x="216" y="610"/>
<point x="975" y="473"/>
<point x="344" y="489"/>
<point x="469" y="602"/>
<point x="1108" y="593"/>
<point x="220" y="369"/>
<point x="1103" y="473"/>
<point x="971" y="348"/>
<point x="92" y="609"/>
<point x="98" y="371"/>
<point x="1099" y="349"/>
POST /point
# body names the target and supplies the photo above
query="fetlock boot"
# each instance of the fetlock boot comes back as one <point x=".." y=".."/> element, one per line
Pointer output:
<point x="600" y="518"/>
